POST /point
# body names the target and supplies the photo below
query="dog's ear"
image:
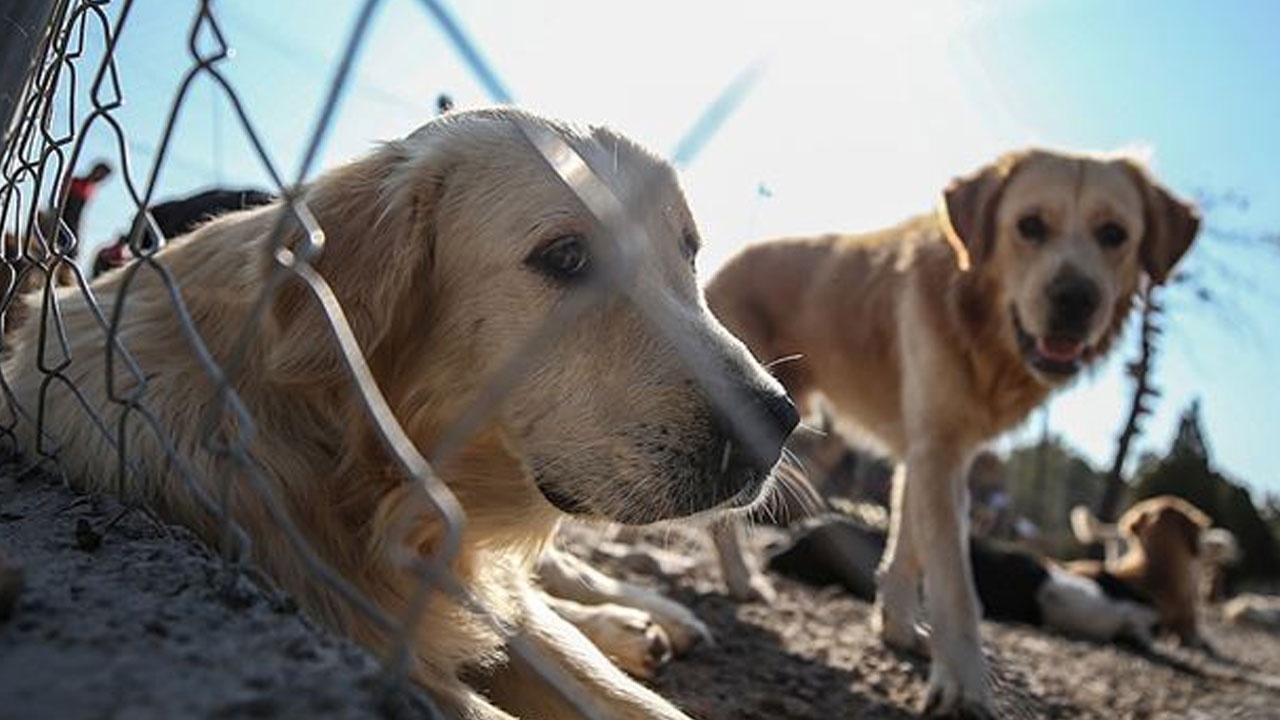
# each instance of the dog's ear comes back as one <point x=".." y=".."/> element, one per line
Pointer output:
<point x="1134" y="521"/>
<point x="1191" y="522"/>
<point x="1171" y="225"/>
<point x="378" y="219"/>
<point x="968" y="210"/>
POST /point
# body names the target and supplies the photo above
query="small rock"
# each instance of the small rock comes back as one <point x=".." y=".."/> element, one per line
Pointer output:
<point x="87" y="539"/>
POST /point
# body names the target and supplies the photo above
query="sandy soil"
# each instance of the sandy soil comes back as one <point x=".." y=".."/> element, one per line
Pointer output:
<point x="122" y="617"/>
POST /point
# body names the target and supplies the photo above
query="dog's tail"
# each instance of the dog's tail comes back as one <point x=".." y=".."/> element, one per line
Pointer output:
<point x="1088" y="529"/>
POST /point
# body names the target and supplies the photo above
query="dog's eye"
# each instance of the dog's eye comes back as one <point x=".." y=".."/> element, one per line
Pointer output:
<point x="1111" y="235"/>
<point x="1032" y="227"/>
<point x="563" y="259"/>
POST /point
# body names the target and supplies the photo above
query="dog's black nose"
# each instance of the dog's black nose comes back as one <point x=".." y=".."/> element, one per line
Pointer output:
<point x="783" y="412"/>
<point x="1072" y="301"/>
<point x="759" y="430"/>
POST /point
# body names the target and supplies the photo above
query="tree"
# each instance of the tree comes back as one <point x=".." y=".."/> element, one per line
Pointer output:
<point x="1140" y="404"/>
<point x="1195" y="283"/>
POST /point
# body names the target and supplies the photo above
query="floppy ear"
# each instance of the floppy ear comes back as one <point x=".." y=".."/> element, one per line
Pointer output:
<point x="378" y="218"/>
<point x="1133" y="523"/>
<point x="968" y="210"/>
<point x="1190" y="531"/>
<point x="1171" y="225"/>
<point x="1192" y="523"/>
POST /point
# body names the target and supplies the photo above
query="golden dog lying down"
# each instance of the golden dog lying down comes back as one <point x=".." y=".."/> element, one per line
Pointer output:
<point x="935" y="336"/>
<point x="447" y="250"/>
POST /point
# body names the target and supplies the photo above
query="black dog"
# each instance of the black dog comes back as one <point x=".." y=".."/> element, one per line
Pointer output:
<point x="174" y="218"/>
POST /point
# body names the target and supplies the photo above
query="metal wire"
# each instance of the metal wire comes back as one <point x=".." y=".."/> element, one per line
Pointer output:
<point x="44" y="145"/>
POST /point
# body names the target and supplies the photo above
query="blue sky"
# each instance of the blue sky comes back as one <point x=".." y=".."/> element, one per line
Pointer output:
<point x="862" y="112"/>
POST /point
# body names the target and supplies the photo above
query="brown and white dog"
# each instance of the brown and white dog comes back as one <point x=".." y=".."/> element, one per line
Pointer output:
<point x="1168" y="549"/>
<point x="448" y="250"/>
<point x="934" y="336"/>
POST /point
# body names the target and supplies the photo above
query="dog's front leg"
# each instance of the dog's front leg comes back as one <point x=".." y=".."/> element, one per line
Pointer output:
<point x="745" y="583"/>
<point x="520" y="690"/>
<point x="937" y="511"/>
<point x="563" y="575"/>
<point x="897" y="610"/>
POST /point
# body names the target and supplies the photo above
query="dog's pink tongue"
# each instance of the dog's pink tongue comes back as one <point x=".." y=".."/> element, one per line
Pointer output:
<point x="1060" y="349"/>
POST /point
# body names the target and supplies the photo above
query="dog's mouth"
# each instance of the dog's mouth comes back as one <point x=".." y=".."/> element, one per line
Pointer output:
<point x="1057" y="355"/>
<point x="727" y="483"/>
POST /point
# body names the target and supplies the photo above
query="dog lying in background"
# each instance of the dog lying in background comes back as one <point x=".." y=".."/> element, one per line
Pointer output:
<point x="177" y="217"/>
<point x="935" y="336"/>
<point x="1261" y="611"/>
<point x="1013" y="584"/>
<point x="447" y="250"/>
<point x="1166" y="557"/>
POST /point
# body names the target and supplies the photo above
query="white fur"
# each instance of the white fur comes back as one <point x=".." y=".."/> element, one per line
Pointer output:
<point x="1077" y="605"/>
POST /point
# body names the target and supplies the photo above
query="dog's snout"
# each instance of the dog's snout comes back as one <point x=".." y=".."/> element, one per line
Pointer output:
<point x="784" y="413"/>
<point x="1073" y="299"/>
<point x="759" y="429"/>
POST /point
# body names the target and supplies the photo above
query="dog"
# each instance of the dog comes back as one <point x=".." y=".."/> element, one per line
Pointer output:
<point x="1253" y="609"/>
<point x="447" y="251"/>
<point x="1013" y="584"/>
<point x="1168" y="551"/>
<point x="935" y="336"/>
<point x="178" y="217"/>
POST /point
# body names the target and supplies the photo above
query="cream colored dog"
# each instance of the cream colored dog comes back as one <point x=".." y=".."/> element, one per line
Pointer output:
<point x="448" y="250"/>
<point x="935" y="336"/>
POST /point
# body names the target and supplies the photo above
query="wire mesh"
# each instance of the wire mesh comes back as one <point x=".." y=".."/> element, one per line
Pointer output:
<point x="42" y="148"/>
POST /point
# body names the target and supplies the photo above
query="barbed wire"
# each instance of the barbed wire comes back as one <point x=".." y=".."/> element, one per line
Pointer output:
<point x="44" y="145"/>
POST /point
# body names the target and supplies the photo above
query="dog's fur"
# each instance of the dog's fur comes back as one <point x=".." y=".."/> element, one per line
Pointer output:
<point x="1164" y="558"/>
<point x="937" y="335"/>
<point x="439" y="248"/>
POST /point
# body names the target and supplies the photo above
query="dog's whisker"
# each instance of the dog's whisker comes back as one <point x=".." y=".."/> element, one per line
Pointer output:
<point x="783" y="360"/>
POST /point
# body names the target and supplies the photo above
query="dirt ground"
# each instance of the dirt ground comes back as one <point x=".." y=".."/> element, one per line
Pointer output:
<point x="122" y="617"/>
<point x="137" y="620"/>
<point x="812" y="656"/>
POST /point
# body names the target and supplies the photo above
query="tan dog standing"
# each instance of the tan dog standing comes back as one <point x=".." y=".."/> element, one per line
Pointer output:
<point x="448" y="251"/>
<point x="935" y="336"/>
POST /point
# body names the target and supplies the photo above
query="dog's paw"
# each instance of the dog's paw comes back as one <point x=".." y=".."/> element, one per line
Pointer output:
<point x="682" y="627"/>
<point x="631" y="638"/>
<point x="899" y="631"/>
<point x="754" y="588"/>
<point x="958" y="695"/>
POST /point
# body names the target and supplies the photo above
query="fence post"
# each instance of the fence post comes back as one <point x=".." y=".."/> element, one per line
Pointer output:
<point x="23" y="25"/>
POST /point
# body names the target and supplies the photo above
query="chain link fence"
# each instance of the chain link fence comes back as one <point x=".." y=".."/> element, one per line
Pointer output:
<point x="54" y="94"/>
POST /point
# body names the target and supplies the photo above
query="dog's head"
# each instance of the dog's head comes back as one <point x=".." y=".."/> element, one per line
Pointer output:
<point x="490" y="296"/>
<point x="1067" y="239"/>
<point x="1165" y="525"/>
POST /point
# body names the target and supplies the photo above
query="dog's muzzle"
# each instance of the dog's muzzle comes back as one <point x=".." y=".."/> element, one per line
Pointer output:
<point x="1059" y="354"/>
